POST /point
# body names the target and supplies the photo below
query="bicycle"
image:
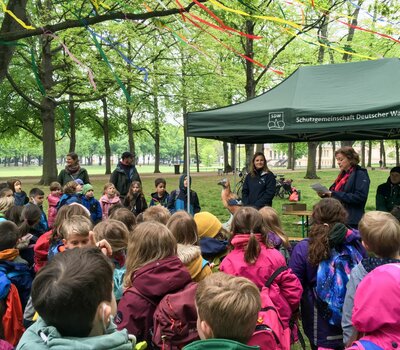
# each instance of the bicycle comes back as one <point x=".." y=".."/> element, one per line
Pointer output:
<point x="283" y="187"/>
<point x="239" y="185"/>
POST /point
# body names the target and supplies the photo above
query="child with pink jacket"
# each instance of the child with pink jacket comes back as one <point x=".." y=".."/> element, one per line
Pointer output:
<point x="53" y="198"/>
<point x="377" y="308"/>
<point x="252" y="257"/>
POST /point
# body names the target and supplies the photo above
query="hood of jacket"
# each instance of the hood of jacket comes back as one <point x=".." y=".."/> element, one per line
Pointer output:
<point x="161" y="277"/>
<point x="181" y="180"/>
<point x="212" y="246"/>
<point x="379" y="290"/>
<point x="219" y="344"/>
<point x="187" y="253"/>
<point x="42" y="336"/>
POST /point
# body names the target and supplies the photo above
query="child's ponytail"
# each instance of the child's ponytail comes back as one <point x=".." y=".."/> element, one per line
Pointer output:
<point x="252" y="249"/>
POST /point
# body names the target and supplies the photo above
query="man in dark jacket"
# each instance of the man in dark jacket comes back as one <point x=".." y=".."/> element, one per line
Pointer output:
<point x="124" y="174"/>
<point x="388" y="194"/>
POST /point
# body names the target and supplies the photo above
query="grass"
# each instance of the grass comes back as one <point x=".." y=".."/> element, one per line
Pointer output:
<point x="205" y="184"/>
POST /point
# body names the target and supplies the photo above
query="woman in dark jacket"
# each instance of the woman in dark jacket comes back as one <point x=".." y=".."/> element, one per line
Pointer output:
<point x="72" y="171"/>
<point x="351" y="187"/>
<point x="259" y="185"/>
<point x="388" y="194"/>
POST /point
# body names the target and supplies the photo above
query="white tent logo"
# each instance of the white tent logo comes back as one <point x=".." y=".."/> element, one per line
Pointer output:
<point x="276" y="121"/>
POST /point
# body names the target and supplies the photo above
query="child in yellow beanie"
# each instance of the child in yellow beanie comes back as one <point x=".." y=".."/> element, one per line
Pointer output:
<point x="213" y="238"/>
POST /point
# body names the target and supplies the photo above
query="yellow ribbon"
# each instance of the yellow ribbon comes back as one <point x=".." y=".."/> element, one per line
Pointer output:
<point x="268" y="18"/>
<point x="97" y="5"/>
<point x="331" y="47"/>
<point x="22" y="23"/>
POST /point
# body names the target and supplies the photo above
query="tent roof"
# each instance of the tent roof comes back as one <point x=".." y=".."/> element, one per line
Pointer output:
<point x="348" y="101"/>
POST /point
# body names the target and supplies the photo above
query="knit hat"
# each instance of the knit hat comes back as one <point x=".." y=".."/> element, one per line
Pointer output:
<point x="208" y="224"/>
<point x="86" y="188"/>
<point x="79" y="182"/>
<point x="396" y="169"/>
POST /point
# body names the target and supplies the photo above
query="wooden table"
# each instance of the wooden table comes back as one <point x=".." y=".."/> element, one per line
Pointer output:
<point x="304" y="214"/>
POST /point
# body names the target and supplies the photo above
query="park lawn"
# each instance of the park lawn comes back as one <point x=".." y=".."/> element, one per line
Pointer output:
<point x="205" y="184"/>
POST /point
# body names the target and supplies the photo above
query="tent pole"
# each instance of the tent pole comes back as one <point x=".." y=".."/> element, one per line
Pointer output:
<point x="234" y="165"/>
<point x="188" y="172"/>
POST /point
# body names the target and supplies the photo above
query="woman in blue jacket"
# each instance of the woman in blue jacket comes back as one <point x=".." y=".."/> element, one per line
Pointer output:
<point x="259" y="185"/>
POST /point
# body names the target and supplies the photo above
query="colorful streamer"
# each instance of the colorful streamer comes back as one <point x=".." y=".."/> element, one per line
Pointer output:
<point x="89" y="71"/>
<point x="20" y="22"/>
<point x="232" y="49"/>
<point x="222" y="24"/>
<point x="268" y="18"/>
<point x="126" y="59"/>
<point x="105" y="59"/>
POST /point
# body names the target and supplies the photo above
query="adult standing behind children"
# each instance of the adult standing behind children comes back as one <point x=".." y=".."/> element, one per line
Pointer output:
<point x="351" y="187"/>
<point x="259" y="184"/>
<point x="388" y="194"/>
<point x="72" y="170"/>
<point x="124" y="174"/>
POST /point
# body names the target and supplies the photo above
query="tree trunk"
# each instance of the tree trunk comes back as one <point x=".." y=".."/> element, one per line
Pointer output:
<point x="350" y="34"/>
<point x="290" y="156"/>
<point x="72" y="125"/>
<point x="48" y="107"/>
<point x="196" y="149"/>
<point x="333" y="155"/>
<point x="249" y="154"/>
<point x="156" y="136"/>
<point x="106" y="132"/>
<point x="382" y="153"/>
<point x="369" y="153"/>
<point x="397" y="153"/>
<point x="131" y="139"/>
<point x="294" y="155"/>
<point x="346" y="143"/>
<point x="311" y="161"/>
<point x="319" y="156"/>
<point x="227" y="166"/>
<point x="363" y="154"/>
<point x="250" y="81"/>
<point x="49" y="142"/>
<point x="18" y="8"/>
<point x="233" y="157"/>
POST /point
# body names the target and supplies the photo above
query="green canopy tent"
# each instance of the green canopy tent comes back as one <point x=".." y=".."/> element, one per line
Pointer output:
<point x="348" y="101"/>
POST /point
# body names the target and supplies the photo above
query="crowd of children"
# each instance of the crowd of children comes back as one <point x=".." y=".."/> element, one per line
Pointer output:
<point x="112" y="274"/>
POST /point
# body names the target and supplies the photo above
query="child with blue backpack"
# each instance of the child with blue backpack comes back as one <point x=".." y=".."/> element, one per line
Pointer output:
<point x="178" y="198"/>
<point x="36" y="197"/>
<point x="380" y="233"/>
<point x="323" y="263"/>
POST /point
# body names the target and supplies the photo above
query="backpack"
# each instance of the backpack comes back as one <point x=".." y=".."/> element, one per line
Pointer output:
<point x="332" y="277"/>
<point x="175" y="318"/>
<point x="367" y="345"/>
<point x="21" y="276"/>
<point x="269" y="333"/>
<point x="12" y="320"/>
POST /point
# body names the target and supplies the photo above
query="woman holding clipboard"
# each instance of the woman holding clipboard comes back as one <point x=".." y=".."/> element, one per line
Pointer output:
<point x="351" y="187"/>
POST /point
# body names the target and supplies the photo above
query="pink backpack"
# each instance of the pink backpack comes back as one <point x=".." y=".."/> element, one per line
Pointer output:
<point x="270" y="333"/>
<point x="175" y="318"/>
